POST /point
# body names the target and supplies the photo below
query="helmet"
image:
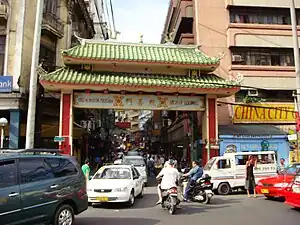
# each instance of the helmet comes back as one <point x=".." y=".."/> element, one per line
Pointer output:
<point x="171" y="162"/>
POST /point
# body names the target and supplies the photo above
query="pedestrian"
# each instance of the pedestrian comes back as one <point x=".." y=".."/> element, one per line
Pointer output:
<point x="281" y="164"/>
<point x="86" y="169"/>
<point x="250" y="180"/>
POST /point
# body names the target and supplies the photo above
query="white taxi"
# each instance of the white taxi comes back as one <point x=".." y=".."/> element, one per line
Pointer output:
<point x="115" y="183"/>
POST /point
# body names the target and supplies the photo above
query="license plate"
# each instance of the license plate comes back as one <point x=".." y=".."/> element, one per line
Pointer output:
<point x="264" y="191"/>
<point x="208" y="192"/>
<point x="102" y="199"/>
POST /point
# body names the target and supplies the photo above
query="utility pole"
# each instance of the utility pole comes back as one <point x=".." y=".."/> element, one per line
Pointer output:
<point x="30" y="128"/>
<point x="297" y="63"/>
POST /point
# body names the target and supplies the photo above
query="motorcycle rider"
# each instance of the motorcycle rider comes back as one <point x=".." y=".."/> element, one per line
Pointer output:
<point x="170" y="176"/>
<point x="195" y="173"/>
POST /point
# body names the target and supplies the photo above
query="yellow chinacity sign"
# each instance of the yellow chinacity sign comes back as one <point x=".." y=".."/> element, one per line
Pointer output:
<point x="264" y="113"/>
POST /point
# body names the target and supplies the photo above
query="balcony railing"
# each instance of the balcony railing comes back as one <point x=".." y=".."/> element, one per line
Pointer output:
<point x="3" y="12"/>
<point x="53" y="24"/>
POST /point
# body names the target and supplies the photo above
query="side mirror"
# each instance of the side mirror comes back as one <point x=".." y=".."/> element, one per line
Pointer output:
<point x="215" y="167"/>
<point x="136" y="177"/>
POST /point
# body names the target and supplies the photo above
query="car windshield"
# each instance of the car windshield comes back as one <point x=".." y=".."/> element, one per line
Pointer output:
<point x="291" y="169"/>
<point x="209" y="164"/>
<point x="136" y="161"/>
<point x="113" y="173"/>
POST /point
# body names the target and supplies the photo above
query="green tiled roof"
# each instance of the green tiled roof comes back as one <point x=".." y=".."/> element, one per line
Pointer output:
<point x="72" y="76"/>
<point x="167" y="54"/>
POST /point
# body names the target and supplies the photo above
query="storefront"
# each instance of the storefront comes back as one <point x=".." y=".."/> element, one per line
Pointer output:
<point x="244" y="138"/>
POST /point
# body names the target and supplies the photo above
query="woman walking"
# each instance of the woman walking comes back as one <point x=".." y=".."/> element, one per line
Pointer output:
<point x="250" y="179"/>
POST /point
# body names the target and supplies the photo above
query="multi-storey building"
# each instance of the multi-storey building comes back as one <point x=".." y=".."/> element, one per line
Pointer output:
<point x="63" y="20"/>
<point x="254" y="38"/>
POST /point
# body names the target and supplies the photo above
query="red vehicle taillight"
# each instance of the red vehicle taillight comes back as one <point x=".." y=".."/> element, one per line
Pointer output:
<point x="173" y="191"/>
<point x="207" y="183"/>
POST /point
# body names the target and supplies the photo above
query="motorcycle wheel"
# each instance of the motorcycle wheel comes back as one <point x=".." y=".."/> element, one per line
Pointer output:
<point x="207" y="200"/>
<point x="172" y="209"/>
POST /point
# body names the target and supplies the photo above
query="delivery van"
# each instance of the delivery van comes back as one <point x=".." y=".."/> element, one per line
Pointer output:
<point x="228" y="171"/>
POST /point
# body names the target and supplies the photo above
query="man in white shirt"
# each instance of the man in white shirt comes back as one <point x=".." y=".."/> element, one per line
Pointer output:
<point x="170" y="176"/>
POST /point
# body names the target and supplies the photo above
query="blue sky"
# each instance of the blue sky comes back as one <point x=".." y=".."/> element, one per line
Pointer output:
<point x="136" y="17"/>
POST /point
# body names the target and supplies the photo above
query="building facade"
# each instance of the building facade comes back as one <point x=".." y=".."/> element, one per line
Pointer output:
<point x="254" y="40"/>
<point x="62" y="20"/>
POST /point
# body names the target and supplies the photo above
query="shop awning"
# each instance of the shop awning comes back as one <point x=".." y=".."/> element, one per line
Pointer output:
<point x="250" y="130"/>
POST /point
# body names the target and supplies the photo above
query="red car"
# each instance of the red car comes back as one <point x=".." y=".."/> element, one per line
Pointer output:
<point x="275" y="186"/>
<point x="292" y="193"/>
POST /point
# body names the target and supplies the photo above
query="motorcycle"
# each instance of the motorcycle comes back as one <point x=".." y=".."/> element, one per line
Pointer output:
<point x="201" y="190"/>
<point x="170" y="199"/>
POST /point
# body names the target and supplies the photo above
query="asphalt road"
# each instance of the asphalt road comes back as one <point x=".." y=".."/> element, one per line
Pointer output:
<point x="229" y="210"/>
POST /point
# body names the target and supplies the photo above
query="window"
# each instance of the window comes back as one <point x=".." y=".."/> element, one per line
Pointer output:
<point x="61" y="167"/>
<point x="37" y="169"/>
<point x="255" y="15"/>
<point x="241" y="160"/>
<point x="292" y="169"/>
<point x="268" y="96"/>
<point x="209" y="164"/>
<point x="264" y="56"/>
<point x="265" y="158"/>
<point x="113" y="173"/>
<point x="50" y="6"/>
<point x="8" y="173"/>
<point x="224" y="164"/>
<point x="2" y="54"/>
<point x="48" y="58"/>
<point x="136" y="172"/>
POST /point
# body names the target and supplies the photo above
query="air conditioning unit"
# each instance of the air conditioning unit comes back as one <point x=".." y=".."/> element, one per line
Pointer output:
<point x="237" y="58"/>
<point x="253" y="93"/>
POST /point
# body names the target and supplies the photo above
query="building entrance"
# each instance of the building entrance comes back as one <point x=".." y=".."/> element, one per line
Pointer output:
<point x="120" y="76"/>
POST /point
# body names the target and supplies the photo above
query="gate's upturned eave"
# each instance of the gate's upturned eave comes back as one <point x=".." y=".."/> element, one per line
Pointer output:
<point x="186" y="56"/>
<point x="71" y="79"/>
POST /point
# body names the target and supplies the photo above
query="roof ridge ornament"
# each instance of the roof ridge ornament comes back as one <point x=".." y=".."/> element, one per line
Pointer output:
<point x="221" y="55"/>
<point x="238" y="79"/>
<point x="141" y="38"/>
<point x="81" y="40"/>
<point x="169" y="36"/>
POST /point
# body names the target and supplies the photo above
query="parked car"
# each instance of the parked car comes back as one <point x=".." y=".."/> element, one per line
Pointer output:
<point x="40" y="186"/>
<point x="140" y="164"/>
<point x="274" y="186"/>
<point x="292" y="192"/>
<point x="115" y="183"/>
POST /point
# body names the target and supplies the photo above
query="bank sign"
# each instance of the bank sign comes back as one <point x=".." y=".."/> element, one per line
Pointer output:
<point x="6" y="83"/>
<point x="264" y="113"/>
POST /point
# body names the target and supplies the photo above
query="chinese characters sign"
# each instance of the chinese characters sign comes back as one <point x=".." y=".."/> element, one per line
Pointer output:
<point x="146" y="102"/>
<point x="268" y="113"/>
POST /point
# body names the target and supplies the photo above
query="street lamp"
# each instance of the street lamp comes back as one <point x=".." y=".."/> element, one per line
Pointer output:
<point x="3" y="123"/>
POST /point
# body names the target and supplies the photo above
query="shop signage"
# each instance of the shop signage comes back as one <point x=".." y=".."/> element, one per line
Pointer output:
<point x="59" y="139"/>
<point x="6" y="83"/>
<point x="146" y="102"/>
<point x="268" y="113"/>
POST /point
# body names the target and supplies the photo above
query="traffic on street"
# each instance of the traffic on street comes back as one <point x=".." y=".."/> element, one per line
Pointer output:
<point x="234" y="209"/>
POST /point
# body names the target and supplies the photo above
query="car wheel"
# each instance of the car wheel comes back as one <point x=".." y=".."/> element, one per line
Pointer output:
<point x="224" y="189"/>
<point x="131" y="199"/>
<point x="64" y="215"/>
<point x="270" y="197"/>
<point x="142" y="193"/>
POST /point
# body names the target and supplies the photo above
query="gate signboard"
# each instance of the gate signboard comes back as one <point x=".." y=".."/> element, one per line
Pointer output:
<point x="146" y="102"/>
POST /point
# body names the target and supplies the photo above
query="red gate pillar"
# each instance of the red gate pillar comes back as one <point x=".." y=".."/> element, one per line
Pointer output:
<point x="66" y="122"/>
<point x="210" y="130"/>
